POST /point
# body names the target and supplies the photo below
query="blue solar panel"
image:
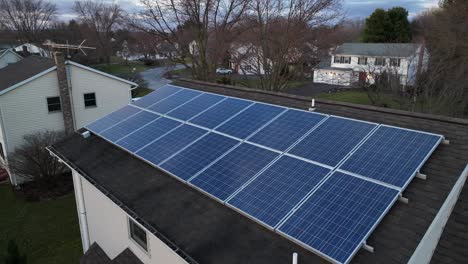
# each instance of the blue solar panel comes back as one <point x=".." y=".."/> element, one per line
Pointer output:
<point x="170" y="144"/>
<point x="250" y="120"/>
<point x="220" y="113"/>
<point x="339" y="215"/>
<point x="147" y="134"/>
<point x="197" y="156"/>
<point x="278" y="189"/>
<point x="286" y="129"/>
<point x="174" y="101"/>
<point x="128" y="126"/>
<point x="229" y="173"/>
<point x="392" y="155"/>
<point x="195" y="106"/>
<point x="111" y="119"/>
<point x="156" y="96"/>
<point x="330" y="142"/>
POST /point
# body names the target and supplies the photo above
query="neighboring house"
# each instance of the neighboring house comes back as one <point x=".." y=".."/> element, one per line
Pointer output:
<point x="245" y="60"/>
<point x="354" y="62"/>
<point x="34" y="95"/>
<point x="193" y="48"/>
<point x="129" y="208"/>
<point x="8" y="57"/>
<point x="27" y="49"/>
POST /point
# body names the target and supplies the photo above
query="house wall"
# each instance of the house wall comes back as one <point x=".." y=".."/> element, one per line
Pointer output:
<point x="24" y="110"/>
<point x="8" y="58"/>
<point x="108" y="226"/>
<point x="111" y="94"/>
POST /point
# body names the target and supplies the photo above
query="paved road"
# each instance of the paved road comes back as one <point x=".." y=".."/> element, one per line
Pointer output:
<point x="154" y="76"/>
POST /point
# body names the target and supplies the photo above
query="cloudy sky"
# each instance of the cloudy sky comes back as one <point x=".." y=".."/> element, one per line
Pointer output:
<point x="353" y="8"/>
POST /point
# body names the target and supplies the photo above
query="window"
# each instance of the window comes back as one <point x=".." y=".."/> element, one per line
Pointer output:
<point x="138" y="234"/>
<point x="89" y="99"/>
<point x="53" y="104"/>
<point x="247" y="68"/>
<point x="342" y="60"/>
<point x="395" y="62"/>
<point x="362" y="61"/>
<point x="379" y="62"/>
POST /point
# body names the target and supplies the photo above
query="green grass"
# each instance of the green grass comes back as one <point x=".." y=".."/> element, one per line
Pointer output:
<point x="357" y="97"/>
<point x="47" y="232"/>
<point x="122" y="68"/>
<point x="141" y="91"/>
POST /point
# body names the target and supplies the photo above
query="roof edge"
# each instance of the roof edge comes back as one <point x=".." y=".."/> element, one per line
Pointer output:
<point x="428" y="244"/>
<point x="439" y="118"/>
<point x="100" y="72"/>
<point x="11" y="51"/>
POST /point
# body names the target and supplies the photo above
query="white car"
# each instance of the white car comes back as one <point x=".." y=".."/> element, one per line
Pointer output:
<point x="223" y="71"/>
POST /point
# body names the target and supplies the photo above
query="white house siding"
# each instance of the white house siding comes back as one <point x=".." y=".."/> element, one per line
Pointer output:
<point x="8" y="58"/>
<point x="24" y="110"/>
<point x="336" y="77"/>
<point x="111" y="94"/>
<point x="108" y="226"/>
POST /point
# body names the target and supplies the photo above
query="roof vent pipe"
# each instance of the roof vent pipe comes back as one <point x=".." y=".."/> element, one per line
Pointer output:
<point x="294" y="258"/>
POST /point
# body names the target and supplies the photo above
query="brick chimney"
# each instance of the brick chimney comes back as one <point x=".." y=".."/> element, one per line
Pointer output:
<point x="64" y="92"/>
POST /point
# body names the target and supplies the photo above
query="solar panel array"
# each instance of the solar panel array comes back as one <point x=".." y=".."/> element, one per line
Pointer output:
<point x="322" y="181"/>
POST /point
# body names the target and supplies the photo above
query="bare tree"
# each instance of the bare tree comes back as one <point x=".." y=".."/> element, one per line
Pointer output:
<point x="203" y="25"/>
<point x="29" y="18"/>
<point x="280" y="29"/>
<point x="102" y="19"/>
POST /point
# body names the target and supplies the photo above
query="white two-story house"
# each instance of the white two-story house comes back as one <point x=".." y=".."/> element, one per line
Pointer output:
<point x="39" y="93"/>
<point x="355" y="62"/>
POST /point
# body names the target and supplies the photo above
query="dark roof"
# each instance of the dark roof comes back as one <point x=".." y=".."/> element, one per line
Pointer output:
<point x="378" y="49"/>
<point x="95" y="255"/>
<point x="23" y="70"/>
<point x="211" y="233"/>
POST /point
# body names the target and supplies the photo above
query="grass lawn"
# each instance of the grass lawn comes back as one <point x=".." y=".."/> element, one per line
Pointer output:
<point x="122" y="68"/>
<point x="357" y="97"/>
<point x="47" y="232"/>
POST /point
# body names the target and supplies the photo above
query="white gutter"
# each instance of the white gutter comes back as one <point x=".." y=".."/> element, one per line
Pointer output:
<point x="427" y="246"/>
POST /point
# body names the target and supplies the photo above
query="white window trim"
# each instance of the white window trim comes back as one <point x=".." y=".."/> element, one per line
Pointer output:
<point x="147" y="250"/>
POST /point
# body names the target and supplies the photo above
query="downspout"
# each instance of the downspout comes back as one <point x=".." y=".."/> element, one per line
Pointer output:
<point x="5" y="148"/>
<point x="80" y="204"/>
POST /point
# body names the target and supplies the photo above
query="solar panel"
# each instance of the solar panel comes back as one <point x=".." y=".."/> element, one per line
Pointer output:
<point x="339" y="216"/>
<point x="174" y="101"/>
<point x="170" y="144"/>
<point x="275" y="192"/>
<point x="220" y="113"/>
<point x="145" y="135"/>
<point x="156" y="96"/>
<point x="250" y="120"/>
<point x="194" y="158"/>
<point x="196" y="106"/>
<point x="330" y="142"/>
<point x="111" y="119"/>
<point x="286" y="129"/>
<point x="392" y="155"/>
<point x="229" y="173"/>
<point x="129" y="125"/>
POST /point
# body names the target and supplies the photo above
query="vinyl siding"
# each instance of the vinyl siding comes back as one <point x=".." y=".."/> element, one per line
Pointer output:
<point x="7" y="59"/>
<point x="24" y="110"/>
<point x="108" y="226"/>
<point x="111" y="94"/>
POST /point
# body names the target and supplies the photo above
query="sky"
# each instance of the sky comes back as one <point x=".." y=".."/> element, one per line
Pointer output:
<point x="353" y="8"/>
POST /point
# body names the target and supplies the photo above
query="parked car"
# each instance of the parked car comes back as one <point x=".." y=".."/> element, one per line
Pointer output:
<point x="223" y="71"/>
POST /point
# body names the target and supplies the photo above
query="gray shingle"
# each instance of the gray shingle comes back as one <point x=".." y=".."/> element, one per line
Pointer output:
<point x="377" y="49"/>
<point x="23" y="70"/>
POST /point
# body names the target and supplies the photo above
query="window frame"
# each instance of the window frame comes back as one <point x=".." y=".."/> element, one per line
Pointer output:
<point x="392" y="60"/>
<point x="85" y="100"/>
<point x="362" y="58"/>
<point x="342" y="59"/>
<point x="384" y="61"/>
<point x="49" y="104"/>
<point x="143" y="245"/>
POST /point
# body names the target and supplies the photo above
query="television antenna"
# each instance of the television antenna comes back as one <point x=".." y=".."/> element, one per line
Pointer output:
<point x="68" y="47"/>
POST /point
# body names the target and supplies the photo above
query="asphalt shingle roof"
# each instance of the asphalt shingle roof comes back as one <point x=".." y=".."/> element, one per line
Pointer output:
<point x="95" y="255"/>
<point x="205" y="231"/>
<point x="23" y="70"/>
<point x="378" y="49"/>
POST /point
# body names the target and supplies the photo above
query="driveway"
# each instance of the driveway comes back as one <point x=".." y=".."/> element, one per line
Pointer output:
<point x="154" y="76"/>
